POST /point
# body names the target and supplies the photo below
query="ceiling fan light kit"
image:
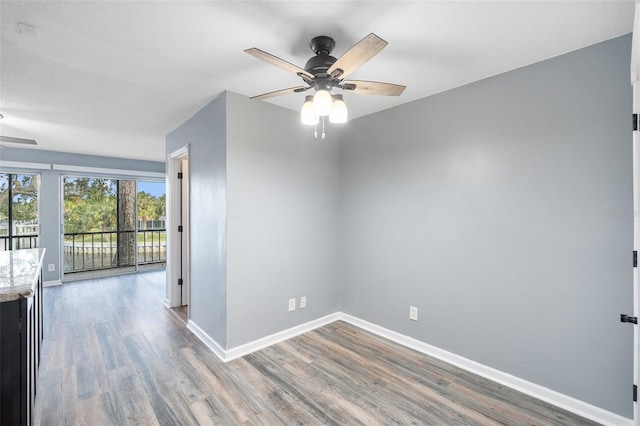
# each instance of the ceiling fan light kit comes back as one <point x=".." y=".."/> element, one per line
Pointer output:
<point x="308" y="114"/>
<point x="339" y="113"/>
<point x="322" y="102"/>
<point x="324" y="73"/>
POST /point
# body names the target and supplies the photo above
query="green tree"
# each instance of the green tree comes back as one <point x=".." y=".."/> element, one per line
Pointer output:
<point x="150" y="207"/>
<point x="89" y="204"/>
<point x="127" y="216"/>
<point x="25" y="198"/>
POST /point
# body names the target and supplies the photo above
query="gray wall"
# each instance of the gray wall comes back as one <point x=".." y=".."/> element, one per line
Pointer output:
<point x="263" y="219"/>
<point x="282" y="220"/>
<point x="50" y="191"/>
<point x="487" y="208"/>
<point x="205" y="133"/>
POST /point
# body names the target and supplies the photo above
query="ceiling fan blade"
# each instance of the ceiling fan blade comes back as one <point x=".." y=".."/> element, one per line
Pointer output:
<point x="359" y="53"/>
<point x="373" y="88"/>
<point x="18" y="140"/>
<point x="296" y="89"/>
<point x="281" y="63"/>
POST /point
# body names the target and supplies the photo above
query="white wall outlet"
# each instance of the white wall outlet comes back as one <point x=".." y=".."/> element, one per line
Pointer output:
<point x="51" y="267"/>
<point x="413" y="313"/>
<point x="303" y="302"/>
<point x="292" y="304"/>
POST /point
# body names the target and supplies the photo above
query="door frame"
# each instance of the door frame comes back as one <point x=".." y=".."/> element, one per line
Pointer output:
<point x="184" y="199"/>
<point x="635" y="83"/>
<point x="174" y="165"/>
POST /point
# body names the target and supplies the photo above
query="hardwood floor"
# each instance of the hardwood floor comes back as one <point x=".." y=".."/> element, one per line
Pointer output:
<point x="114" y="355"/>
<point x="182" y="312"/>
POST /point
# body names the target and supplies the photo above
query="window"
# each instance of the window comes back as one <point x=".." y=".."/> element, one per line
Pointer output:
<point x="19" y="225"/>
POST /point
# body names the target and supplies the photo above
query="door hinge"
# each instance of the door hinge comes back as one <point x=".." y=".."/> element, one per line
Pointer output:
<point x="179" y="175"/>
<point x="636" y="122"/>
<point x="628" y="318"/>
<point x="635" y="393"/>
<point x="180" y="281"/>
<point x="635" y="258"/>
<point x="179" y="228"/>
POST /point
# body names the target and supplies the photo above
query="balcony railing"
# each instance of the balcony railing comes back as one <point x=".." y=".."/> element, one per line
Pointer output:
<point x="18" y="242"/>
<point x="87" y="251"/>
<point x="153" y="247"/>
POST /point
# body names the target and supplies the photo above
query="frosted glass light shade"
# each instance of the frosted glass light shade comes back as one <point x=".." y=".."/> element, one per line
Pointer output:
<point x="322" y="102"/>
<point x="308" y="114"/>
<point x="339" y="112"/>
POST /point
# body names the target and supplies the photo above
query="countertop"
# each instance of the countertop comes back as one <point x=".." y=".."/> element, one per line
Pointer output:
<point x="19" y="273"/>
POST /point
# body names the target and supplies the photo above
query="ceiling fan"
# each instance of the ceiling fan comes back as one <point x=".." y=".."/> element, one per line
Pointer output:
<point x="324" y="73"/>
<point x="11" y="139"/>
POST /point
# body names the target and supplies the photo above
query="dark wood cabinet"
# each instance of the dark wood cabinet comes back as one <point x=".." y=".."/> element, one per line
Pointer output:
<point x="20" y="343"/>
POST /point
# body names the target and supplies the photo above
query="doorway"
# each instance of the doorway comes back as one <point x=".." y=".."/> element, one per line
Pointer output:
<point x="635" y="84"/>
<point x="178" y="258"/>
<point x="636" y="234"/>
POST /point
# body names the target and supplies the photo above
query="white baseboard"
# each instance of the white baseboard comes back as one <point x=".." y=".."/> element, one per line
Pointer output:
<point x="568" y="403"/>
<point x="166" y="304"/>
<point x="51" y="283"/>
<point x="207" y="340"/>
<point x="264" y="342"/>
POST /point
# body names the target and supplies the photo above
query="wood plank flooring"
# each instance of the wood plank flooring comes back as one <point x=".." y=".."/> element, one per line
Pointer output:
<point x="113" y="355"/>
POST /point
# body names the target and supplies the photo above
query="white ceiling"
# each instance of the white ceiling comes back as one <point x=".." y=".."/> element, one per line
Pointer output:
<point x="114" y="77"/>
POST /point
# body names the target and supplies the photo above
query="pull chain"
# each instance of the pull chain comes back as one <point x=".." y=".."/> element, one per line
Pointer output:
<point x="315" y="130"/>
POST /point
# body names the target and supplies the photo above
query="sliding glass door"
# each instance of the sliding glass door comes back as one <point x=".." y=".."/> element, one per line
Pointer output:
<point x="103" y="228"/>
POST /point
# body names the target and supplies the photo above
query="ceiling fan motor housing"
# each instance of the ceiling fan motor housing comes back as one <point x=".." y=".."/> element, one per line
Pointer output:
<point x="319" y="65"/>
<point x="322" y="46"/>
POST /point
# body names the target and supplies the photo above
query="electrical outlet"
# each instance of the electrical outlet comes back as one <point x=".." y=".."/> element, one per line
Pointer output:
<point x="413" y="313"/>
<point x="52" y="267"/>
<point x="303" y="302"/>
<point x="292" y="304"/>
